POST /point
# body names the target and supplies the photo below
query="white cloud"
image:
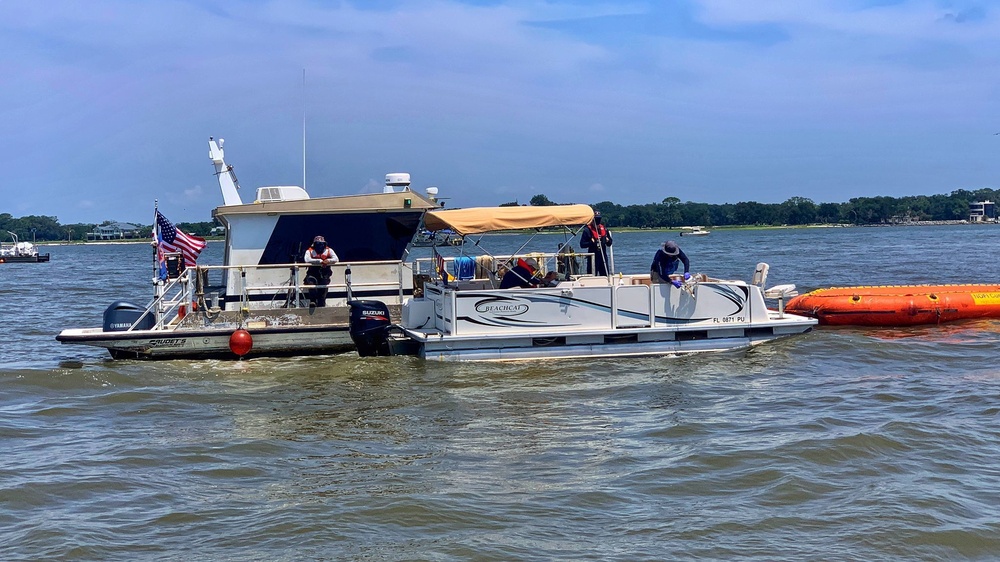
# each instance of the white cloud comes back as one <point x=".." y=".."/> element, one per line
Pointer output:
<point x="117" y="98"/>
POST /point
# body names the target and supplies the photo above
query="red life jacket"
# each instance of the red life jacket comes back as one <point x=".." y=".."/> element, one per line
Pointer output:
<point x="599" y="232"/>
<point x="327" y="253"/>
<point x="525" y="265"/>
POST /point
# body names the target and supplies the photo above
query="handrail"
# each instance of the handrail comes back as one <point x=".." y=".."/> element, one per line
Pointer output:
<point x="175" y="292"/>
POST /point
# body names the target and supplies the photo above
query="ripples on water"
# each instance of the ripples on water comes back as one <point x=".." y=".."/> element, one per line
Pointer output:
<point x="842" y="444"/>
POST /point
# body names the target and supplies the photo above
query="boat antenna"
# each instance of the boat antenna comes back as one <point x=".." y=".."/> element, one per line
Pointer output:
<point x="304" y="129"/>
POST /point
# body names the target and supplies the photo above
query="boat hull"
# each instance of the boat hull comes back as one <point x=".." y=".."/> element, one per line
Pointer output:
<point x="604" y="345"/>
<point x="900" y="305"/>
<point x="40" y="258"/>
<point x="588" y="318"/>
<point x="206" y="335"/>
<point x="211" y="344"/>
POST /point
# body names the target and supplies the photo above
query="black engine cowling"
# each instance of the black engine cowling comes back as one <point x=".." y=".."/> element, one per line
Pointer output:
<point x="370" y="325"/>
<point x="121" y="315"/>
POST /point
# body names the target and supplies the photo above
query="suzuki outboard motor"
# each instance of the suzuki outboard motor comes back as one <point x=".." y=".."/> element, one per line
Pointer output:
<point x="121" y="315"/>
<point x="370" y="327"/>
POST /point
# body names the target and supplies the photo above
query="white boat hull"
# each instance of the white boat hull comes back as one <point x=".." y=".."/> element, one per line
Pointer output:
<point x="519" y="351"/>
<point x="587" y="319"/>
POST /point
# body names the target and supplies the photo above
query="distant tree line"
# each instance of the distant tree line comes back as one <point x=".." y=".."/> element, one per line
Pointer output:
<point x="44" y="228"/>
<point x="669" y="213"/>
<point x="672" y="212"/>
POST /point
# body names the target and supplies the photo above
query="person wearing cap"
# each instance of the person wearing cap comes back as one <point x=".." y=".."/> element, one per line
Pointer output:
<point x="320" y="257"/>
<point x="521" y="275"/>
<point x="596" y="239"/>
<point x="666" y="261"/>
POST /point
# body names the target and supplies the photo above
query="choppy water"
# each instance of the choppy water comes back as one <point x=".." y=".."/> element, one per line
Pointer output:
<point x="843" y="444"/>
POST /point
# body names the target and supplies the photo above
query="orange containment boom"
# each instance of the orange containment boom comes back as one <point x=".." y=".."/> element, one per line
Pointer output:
<point x="898" y="305"/>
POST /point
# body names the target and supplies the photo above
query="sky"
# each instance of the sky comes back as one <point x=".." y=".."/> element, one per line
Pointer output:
<point x="107" y="105"/>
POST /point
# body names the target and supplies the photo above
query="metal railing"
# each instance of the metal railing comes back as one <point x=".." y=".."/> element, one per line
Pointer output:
<point x="191" y="288"/>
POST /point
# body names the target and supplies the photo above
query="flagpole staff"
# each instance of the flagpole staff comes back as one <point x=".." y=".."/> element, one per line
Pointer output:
<point x="157" y="283"/>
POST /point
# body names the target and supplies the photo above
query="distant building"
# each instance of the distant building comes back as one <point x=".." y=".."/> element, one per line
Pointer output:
<point x="217" y="231"/>
<point x="982" y="211"/>
<point x="116" y="231"/>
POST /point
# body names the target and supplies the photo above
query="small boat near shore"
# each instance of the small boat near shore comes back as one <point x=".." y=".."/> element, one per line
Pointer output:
<point x="471" y="318"/>
<point x="21" y="252"/>
<point x="898" y="305"/>
<point x="695" y="231"/>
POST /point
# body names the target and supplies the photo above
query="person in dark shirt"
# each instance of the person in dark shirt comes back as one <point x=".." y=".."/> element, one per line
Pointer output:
<point x="596" y="239"/>
<point x="320" y="257"/>
<point x="666" y="261"/>
<point x="521" y="275"/>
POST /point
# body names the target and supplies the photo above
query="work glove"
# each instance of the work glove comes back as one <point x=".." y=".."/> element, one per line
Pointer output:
<point x="676" y="282"/>
<point x="687" y="276"/>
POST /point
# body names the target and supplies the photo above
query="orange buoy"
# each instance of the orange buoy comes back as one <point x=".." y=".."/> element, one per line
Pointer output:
<point x="241" y="342"/>
<point x="898" y="305"/>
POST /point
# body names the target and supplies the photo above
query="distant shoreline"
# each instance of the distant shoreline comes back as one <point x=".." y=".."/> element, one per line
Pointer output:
<point x="619" y="229"/>
<point x="815" y="225"/>
<point x="105" y="242"/>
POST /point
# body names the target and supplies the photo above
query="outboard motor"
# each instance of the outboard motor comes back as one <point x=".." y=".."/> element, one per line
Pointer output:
<point x="121" y="315"/>
<point x="370" y="324"/>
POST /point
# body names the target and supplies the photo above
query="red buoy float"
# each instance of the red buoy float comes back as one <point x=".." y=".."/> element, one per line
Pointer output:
<point x="241" y="342"/>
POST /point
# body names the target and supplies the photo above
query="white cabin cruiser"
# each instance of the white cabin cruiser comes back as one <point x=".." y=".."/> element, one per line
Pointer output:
<point x="256" y="302"/>
<point x="580" y="316"/>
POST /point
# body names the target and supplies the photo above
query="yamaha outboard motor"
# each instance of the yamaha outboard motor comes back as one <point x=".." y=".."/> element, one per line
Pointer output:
<point x="370" y="324"/>
<point x="121" y="315"/>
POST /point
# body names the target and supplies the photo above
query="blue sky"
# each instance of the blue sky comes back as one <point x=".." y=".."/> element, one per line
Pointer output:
<point x="106" y="105"/>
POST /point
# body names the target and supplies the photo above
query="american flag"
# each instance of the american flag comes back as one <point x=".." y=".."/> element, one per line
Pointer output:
<point x="173" y="239"/>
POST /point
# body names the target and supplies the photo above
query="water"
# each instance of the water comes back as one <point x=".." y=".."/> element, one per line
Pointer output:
<point x="842" y="444"/>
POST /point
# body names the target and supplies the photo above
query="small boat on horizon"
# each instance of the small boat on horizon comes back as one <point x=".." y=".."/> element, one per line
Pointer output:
<point x="694" y="231"/>
<point x="21" y="252"/>
<point x="898" y="305"/>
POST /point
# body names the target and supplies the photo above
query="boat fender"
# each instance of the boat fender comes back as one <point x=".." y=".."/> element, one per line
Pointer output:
<point x="241" y="342"/>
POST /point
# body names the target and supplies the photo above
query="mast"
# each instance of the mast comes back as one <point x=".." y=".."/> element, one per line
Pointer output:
<point x="303" y="128"/>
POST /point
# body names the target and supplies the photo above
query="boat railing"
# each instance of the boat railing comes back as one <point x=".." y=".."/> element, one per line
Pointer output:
<point x="190" y="289"/>
<point x="492" y="267"/>
<point x="288" y="291"/>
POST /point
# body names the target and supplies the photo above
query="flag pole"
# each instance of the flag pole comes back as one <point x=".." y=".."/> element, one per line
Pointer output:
<point x="156" y="241"/>
<point x="157" y="282"/>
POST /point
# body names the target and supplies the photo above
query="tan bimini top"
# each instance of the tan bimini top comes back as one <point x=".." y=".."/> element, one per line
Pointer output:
<point x="478" y="220"/>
